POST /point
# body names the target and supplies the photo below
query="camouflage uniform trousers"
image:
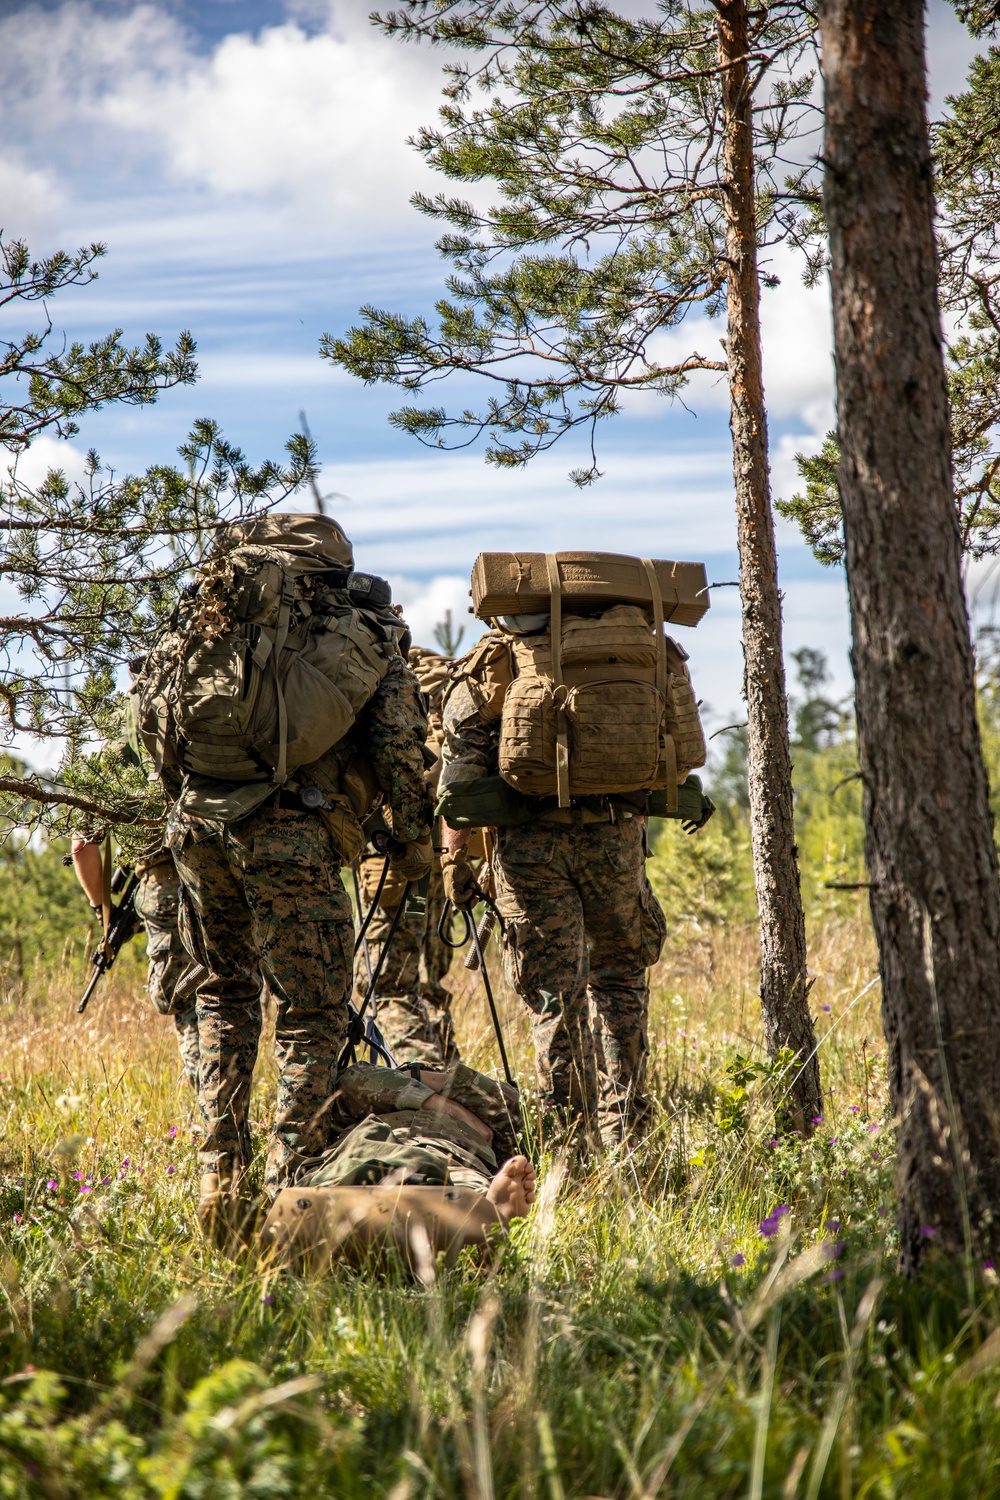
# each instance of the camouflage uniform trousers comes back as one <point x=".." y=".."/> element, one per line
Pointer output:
<point x="382" y="1129"/>
<point x="414" y="1008"/>
<point x="582" y="927"/>
<point x="263" y="898"/>
<point x="156" y="903"/>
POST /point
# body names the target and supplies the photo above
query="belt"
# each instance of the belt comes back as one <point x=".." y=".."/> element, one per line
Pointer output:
<point x="577" y="816"/>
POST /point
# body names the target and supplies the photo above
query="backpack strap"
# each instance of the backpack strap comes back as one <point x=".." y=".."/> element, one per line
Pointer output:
<point x="280" y="637"/>
<point x="661" y="678"/>
<point x="562" y="728"/>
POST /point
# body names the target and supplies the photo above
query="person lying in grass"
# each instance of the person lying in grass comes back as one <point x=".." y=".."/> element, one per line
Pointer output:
<point x="436" y="1150"/>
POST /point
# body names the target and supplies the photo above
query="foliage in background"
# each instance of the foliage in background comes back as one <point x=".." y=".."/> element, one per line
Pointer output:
<point x="602" y="134"/>
<point x="967" y="153"/>
<point x="707" y="880"/>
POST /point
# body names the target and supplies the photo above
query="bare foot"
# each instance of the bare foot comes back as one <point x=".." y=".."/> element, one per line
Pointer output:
<point x="512" y="1191"/>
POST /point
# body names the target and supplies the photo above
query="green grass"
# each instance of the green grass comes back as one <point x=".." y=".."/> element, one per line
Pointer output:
<point x="638" y="1335"/>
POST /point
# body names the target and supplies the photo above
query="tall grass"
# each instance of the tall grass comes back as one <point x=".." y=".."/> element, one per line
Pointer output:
<point x="713" y="1314"/>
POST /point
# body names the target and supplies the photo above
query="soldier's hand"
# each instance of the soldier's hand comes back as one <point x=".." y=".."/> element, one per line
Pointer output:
<point x="460" y="884"/>
<point x="691" y="825"/>
<point x="415" y="860"/>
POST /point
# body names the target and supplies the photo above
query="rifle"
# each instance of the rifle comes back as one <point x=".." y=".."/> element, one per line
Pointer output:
<point x="123" y="925"/>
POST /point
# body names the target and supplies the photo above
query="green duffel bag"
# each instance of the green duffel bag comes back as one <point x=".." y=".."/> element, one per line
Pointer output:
<point x="489" y="802"/>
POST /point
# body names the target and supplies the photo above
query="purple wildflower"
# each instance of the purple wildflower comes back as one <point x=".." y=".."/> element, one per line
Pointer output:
<point x="989" y="1265"/>
<point x="85" y="1189"/>
<point x="929" y="1231"/>
<point x="268" y="1299"/>
<point x="833" y="1275"/>
<point x="738" y="1260"/>
<point x="817" y="1119"/>
<point x="831" y="1226"/>
<point x="52" y="1184"/>
<point x="830" y="1252"/>
<point x="16" y="1218"/>
<point x="172" y="1131"/>
<point x="880" y="1211"/>
<point x="833" y="1140"/>
<point x="77" y="1176"/>
<point x="855" y="1109"/>
<point x="769" y="1226"/>
<point x="104" y="1181"/>
<point x="827" y="1007"/>
<point x="171" y="1170"/>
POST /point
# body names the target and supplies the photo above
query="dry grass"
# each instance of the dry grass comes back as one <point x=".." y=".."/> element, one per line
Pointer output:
<point x="643" y="1334"/>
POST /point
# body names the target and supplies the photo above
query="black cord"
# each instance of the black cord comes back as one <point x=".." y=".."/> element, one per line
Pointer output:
<point x="360" y="934"/>
<point x="444" y="928"/>
<point x="492" y="1004"/>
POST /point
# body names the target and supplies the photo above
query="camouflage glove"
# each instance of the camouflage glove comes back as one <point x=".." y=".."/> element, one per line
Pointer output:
<point x="460" y="884"/>
<point x="415" y="860"/>
<point x="691" y="825"/>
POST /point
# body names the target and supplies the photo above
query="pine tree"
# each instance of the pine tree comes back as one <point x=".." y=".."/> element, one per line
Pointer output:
<point x="97" y="564"/>
<point x="935" y="891"/>
<point x="640" y="168"/>
<point x="966" y="147"/>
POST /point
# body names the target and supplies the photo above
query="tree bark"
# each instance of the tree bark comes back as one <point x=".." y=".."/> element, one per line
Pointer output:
<point x="783" y="986"/>
<point x="935" y="898"/>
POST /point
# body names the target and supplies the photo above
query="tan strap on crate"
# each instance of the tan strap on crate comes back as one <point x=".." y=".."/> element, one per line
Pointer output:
<point x="669" y="748"/>
<point x="562" y="728"/>
<point x="661" y="647"/>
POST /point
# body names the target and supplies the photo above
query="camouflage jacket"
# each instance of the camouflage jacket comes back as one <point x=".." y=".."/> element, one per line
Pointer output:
<point x="386" y="1131"/>
<point x="471" y="715"/>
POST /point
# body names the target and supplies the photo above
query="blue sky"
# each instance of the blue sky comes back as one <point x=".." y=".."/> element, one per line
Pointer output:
<point x="246" y="163"/>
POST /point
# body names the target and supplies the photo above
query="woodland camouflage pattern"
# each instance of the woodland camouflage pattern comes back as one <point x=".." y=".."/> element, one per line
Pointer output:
<point x="413" y="1006"/>
<point x="263" y="897"/>
<point x="412" y="1003"/>
<point x="581" y="928"/>
<point x="383" y="1129"/>
<point x="156" y="903"/>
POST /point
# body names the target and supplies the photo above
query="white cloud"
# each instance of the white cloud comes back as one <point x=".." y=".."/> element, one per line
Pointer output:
<point x="425" y="606"/>
<point x="434" y="514"/>
<point x="312" y="124"/>
<point x="45" y="453"/>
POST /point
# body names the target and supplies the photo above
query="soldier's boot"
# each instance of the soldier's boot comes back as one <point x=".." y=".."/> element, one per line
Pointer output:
<point x="282" y="1164"/>
<point x="226" y="1217"/>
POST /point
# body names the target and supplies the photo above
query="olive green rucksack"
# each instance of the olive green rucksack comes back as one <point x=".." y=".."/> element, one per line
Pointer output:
<point x="250" y="681"/>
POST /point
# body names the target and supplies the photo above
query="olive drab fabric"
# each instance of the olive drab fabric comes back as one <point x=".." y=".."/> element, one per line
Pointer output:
<point x="592" y="706"/>
<point x="250" y="682"/>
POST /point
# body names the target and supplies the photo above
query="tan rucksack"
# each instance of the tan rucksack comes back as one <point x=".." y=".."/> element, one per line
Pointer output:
<point x="250" y="682"/>
<point x="595" y="705"/>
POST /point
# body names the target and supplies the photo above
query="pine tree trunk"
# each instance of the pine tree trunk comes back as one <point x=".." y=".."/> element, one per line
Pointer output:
<point x="783" y="987"/>
<point x="935" y="898"/>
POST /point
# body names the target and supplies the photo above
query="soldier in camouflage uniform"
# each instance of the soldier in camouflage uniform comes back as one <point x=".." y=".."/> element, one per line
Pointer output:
<point x="413" y="1004"/>
<point x="581" y="923"/>
<point x="263" y="895"/>
<point x="400" y="1141"/>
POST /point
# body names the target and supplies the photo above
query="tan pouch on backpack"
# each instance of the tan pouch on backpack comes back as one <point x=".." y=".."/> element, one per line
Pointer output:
<point x="598" y="706"/>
